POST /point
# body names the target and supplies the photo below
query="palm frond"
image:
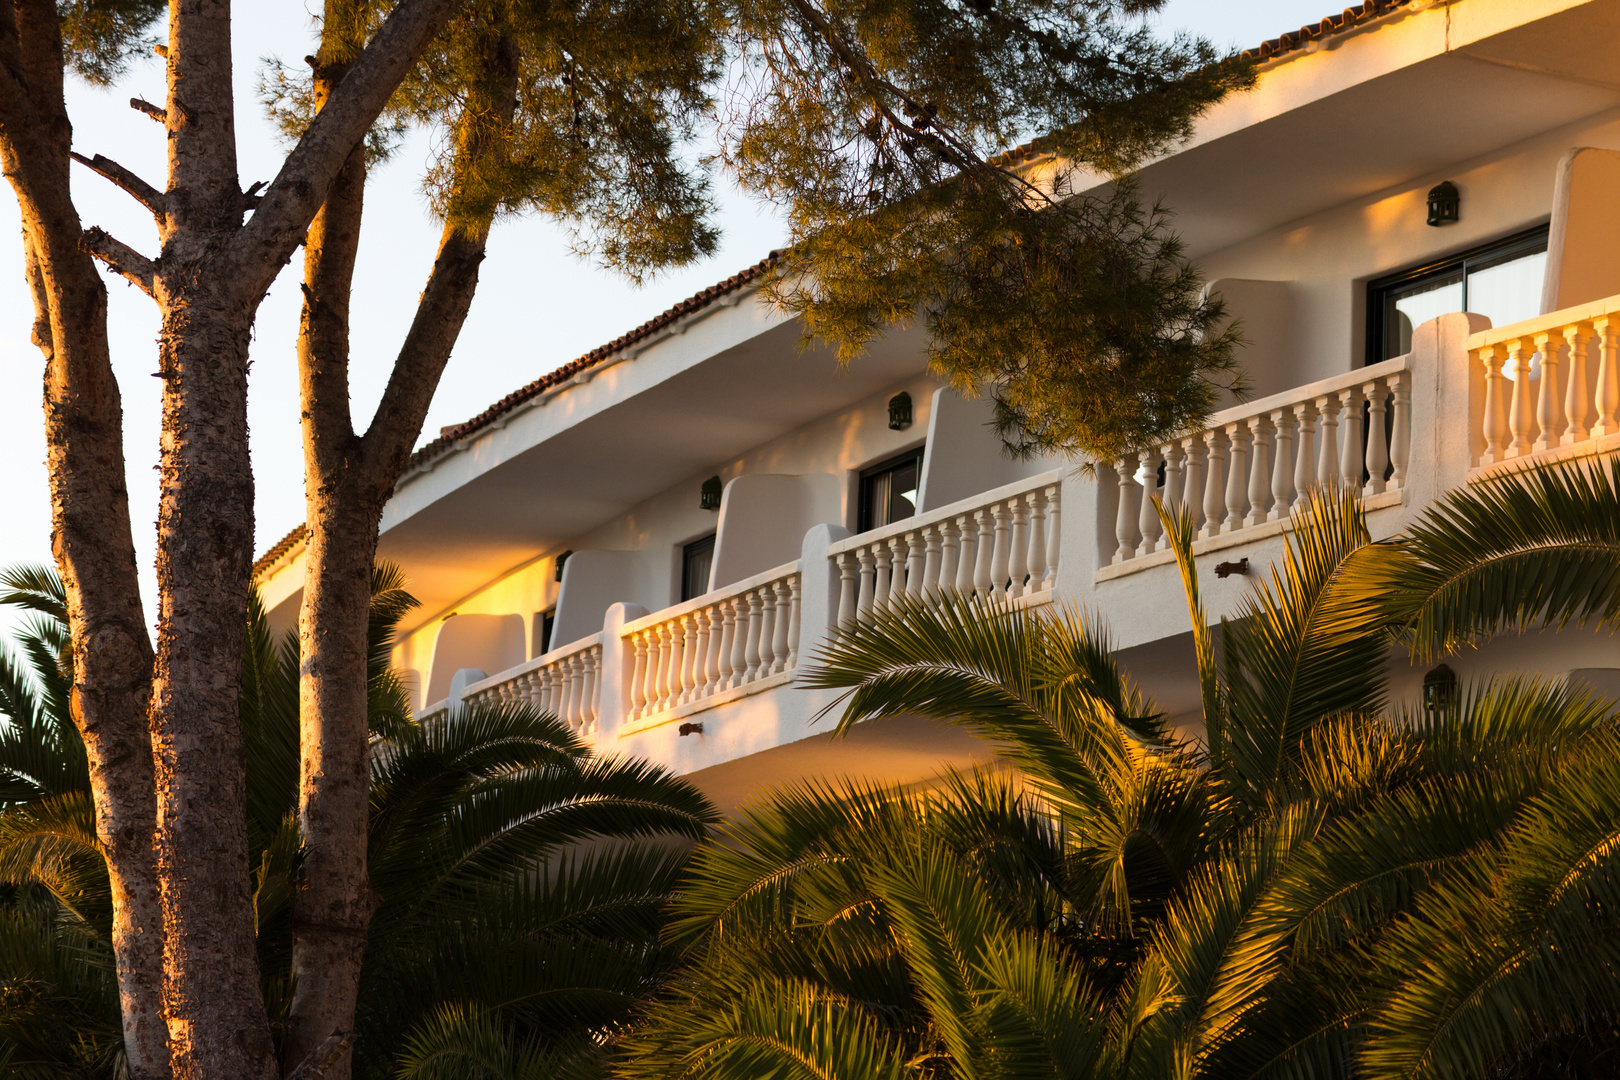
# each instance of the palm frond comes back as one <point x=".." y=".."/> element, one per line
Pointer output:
<point x="1538" y="546"/>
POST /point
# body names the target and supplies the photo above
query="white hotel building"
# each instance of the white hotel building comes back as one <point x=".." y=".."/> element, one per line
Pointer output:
<point x="653" y="539"/>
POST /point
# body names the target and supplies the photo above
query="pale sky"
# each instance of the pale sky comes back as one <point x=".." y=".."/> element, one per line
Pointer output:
<point x="537" y="306"/>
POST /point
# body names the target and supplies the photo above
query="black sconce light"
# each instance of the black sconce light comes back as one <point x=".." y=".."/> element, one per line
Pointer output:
<point x="1445" y="203"/>
<point x="900" y="411"/>
<point x="1439" y="687"/>
<point x="562" y="559"/>
<point x="709" y="494"/>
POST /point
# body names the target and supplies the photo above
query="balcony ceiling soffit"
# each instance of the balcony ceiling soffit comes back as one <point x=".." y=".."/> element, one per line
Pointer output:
<point x="1439" y="111"/>
<point x="586" y="474"/>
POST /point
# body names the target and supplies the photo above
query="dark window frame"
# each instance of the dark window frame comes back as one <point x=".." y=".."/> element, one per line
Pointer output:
<point x="548" y="626"/>
<point x="706" y="543"/>
<point x="863" y="514"/>
<point x="1480" y="257"/>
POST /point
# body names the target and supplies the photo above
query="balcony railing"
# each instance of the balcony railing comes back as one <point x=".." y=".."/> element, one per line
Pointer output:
<point x="721" y="641"/>
<point x="1003" y="544"/>
<point x="565" y="681"/>
<point x="1257" y="462"/>
<point x="1541" y="389"/>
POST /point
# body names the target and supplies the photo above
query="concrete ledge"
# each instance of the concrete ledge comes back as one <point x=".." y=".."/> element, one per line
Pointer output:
<point x="1605" y="444"/>
<point x="1247" y="535"/>
<point x="714" y="701"/>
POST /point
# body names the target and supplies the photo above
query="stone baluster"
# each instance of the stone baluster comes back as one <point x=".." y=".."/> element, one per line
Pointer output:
<point x="1549" y="403"/>
<point x="1259" y="470"/>
<point x="702" y="670"/>
<point x="1606" y="394"/>
<point x="1327" y="457"/>
<point x="880" y="597"/>
<point x="1214" y="483"/>
<point x="576" y="710"/>
<point x="1400" y="429"/>
<point x="728" y="636"/>
<point x="931" y="557"/>
<point x="717" y="629"/>
<point x="1377" y="447"/>
<point x="846" y="590"/>
<point x="1037" y="542"/>
<point x="756" y="620"/>
<point x="1577" y="401"/>
<point x="658" y="699"/>
<point x="688" y="665"/>
<point x="1125" y="518"/>
<point x="796" y="586"/>
<point x="1282" y="463"/>
<point x="767" y="630"/>
<point x="1237" y="482"/>
<point x="1350" y="459"/>
<point x="949" y="548"/>
<point x="565" y="693"/>
<point x="1148" y="525"/>
<point x="967" y="532"/>
<point x="1494" y="425"/>
<point x="587" y="712"/>
<point x="1304" y="453"/>
<point x="899" y="554"/>
<point x="638" y="675"/>
<point x="1173" y="476"/>
<point x="915" y="562"/>
<point x="1520" y="411"/>
<point x="984" y="553"/>
<point x="999" y="560"/>
<point x="1017" y="547"/>
<point x="1192" y="486"/>
<point x="779" y="637"/>
<point x="868" y="593"/>
<point x="1054" y="534"/>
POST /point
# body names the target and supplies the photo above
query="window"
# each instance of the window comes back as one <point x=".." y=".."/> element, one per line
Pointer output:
<point x="889" y="490"/>
<point x="548" y="623"/>
<point x="696" y="560"/>
<point x="1501" y="280"/>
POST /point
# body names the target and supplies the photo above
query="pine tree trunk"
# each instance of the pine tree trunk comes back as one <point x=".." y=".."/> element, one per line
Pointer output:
<point x="91" y="536"/>
<point x="218" y="1029"/>
<point x="333" y="904"/>
<point x="347" y="482"/>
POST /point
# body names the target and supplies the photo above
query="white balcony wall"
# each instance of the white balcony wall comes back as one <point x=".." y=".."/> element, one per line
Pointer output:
<point x="763" y="519"/>
<point x="1585" y="234"/>
<point x="964" y="455"/>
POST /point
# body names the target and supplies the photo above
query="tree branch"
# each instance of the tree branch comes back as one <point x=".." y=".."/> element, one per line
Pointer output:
<point x="122" y="258"/>
<point x="156" y="112"/>
<point x="289" y="204"/>
<point x="143" y="193"/>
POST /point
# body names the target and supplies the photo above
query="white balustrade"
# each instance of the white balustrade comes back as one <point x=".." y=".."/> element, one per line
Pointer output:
<point x="720" y="641"/>
<point x="566" y="682"/>
<point x="1004" y="544"/>
<point x="1545" y="379"/>
<point x="1258" y="462"/>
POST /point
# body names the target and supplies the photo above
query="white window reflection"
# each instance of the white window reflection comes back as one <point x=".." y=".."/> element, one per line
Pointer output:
<point x="1501" y="281"/>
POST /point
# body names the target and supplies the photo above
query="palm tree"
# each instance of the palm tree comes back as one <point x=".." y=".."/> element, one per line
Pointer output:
<point x="521" y="881"/>
<point x="1128" y="904"/>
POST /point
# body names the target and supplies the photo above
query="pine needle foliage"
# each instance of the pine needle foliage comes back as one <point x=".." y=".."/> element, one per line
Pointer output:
<point x="521" y="881"/>
<point x="1330" y="884"/>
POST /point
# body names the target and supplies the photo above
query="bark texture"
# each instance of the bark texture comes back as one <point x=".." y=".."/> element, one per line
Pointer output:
<point x="347" y="481"/>
<point x="91" y="537"/>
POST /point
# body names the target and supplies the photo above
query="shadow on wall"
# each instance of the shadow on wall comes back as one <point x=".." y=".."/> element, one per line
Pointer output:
<point x="487" y="642"/>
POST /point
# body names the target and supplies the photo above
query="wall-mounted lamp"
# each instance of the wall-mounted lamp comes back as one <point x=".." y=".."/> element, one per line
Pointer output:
<point x="1227" y="569"/>
<point x="709" y="494"/>
<point x="562" y="559"/>
<point x="1445" y="203"/>
<point x="1439" y="687"/>
<point x="900" y="411"/>
<point x="691" y="729"/>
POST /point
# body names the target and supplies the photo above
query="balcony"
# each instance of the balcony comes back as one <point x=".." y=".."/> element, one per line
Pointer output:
<point x="1467" y="401"/>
